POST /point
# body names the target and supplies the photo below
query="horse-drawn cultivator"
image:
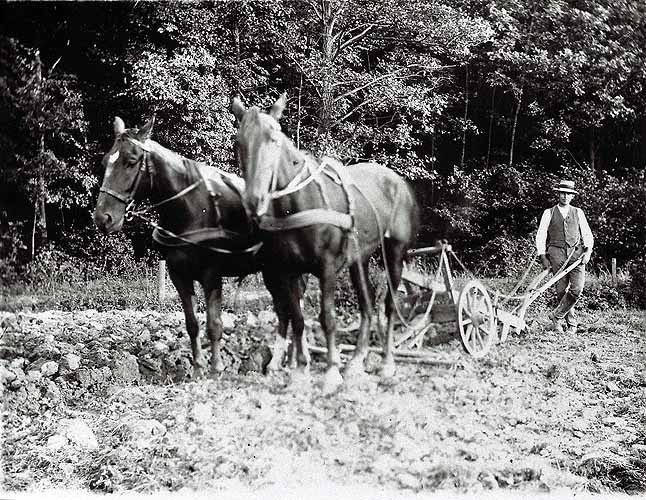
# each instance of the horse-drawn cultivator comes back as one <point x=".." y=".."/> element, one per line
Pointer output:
<point x="483" y="317"/>
<point x="434" y="309"/>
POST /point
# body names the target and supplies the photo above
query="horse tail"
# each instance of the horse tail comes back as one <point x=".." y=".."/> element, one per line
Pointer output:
<point x="405" y="216"/>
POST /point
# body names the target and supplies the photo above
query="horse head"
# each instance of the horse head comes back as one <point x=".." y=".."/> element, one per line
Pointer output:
<point x="260" y="143"/>
<point x="125" y="166"/>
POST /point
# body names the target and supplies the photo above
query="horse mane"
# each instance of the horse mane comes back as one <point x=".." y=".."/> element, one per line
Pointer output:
<point x="174" y="160"/>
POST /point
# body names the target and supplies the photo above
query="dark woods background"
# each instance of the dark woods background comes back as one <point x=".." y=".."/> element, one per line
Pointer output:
<point x="482" y="105"/>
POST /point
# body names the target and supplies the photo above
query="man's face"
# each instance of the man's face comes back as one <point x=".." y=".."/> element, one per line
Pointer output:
<point x="565" y="198"/>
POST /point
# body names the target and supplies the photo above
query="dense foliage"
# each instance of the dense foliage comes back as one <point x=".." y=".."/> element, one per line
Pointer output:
<point x="482" y="105"/>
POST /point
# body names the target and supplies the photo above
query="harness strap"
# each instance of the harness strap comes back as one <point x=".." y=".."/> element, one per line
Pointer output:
<point x="174" y="197"/>
<point x="169" y="239"/>
<point x="296" y="183"/>
<point x="307" y="218"/>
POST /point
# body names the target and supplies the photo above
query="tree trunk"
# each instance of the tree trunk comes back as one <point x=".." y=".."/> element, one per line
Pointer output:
<point x="236" y="42"/>
<point x="299" y="112"/>
<point x="327" y="87"/>
<point x="490" y="134"/>
<point x="593" y="151"/>
<point x="39" y="232"/>
<point x="466" y="113"/>
<point x="519" y="102"/>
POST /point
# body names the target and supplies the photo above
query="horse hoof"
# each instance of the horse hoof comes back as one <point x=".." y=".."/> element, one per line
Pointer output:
<point x="273" y="367"/>
<point x="332" y="380"/>
<point x="387" y="371"/>
<point x="217" y="368"/>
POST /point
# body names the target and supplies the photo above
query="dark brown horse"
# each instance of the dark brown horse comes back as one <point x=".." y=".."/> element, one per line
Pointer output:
<point x="319" y="216"/>
<point x="203" y="229"/>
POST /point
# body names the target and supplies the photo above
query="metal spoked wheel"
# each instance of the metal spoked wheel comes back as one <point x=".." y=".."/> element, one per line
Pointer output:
<point x="476" y="319"/>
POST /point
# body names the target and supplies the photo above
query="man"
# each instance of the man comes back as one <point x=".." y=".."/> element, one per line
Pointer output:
<point x="563" y="236"/>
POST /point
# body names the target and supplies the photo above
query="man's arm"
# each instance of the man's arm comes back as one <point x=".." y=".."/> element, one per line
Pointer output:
<point x="586" y="236"/>
<point x="541" y="234"/>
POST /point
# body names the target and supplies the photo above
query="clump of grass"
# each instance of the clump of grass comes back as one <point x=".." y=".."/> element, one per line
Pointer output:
<point x="615" y="472"/>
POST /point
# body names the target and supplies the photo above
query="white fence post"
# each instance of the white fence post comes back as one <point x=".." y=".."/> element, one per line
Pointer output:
<point x="161" y="280"/>
<point x="613" y="265"/>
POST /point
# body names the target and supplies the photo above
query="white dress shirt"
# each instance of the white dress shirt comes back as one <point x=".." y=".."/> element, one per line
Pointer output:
<point x="541" y="234"/>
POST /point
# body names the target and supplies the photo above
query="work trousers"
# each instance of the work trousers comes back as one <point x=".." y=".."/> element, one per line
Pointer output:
<point x="570" y="286"/>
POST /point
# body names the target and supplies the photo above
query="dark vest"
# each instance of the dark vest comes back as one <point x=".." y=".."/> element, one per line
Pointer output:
<point x="564" y="233"/>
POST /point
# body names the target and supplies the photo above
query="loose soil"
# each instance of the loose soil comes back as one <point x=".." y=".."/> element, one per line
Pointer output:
<point x="541" y="413"/>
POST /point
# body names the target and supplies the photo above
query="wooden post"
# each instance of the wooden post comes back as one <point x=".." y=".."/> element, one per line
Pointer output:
<point x="161" y="280"/>
<point x="613" y="264"/>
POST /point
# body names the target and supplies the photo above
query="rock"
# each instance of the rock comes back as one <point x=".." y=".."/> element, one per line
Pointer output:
<point x="56" y="442"/>
<point x="78" y="433"/>
<point x="201" y="412"/>
<point x="125" y="368"/>
<point x="612" y="386"/>
<point x="34" y="375"/>
<point x="160" y="348"/>
<point x="49" y="368"/>
<point x="258" y="359"/>
<point x="488" y="480"/>
<point x="408" y="480"/>
<point x="94" y="376"/>
<point x="267" y="319"/>
<point x="18" y="363"/>
<point x="228" y="320"/>
<point x="19" y="380"/>
<point x="6" y="376"/>
<point x="144" y="432"/>
<point x="69" y="363"/>
<point x="53" y="392"/>
<point x="252" y="320"/>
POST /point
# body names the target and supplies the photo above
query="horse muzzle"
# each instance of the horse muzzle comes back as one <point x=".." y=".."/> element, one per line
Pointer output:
<point x="106" y="222"/>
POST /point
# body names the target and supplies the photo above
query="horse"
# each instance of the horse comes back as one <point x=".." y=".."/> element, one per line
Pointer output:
<point x="203" y="230"/>
<point x="318" y="217"/>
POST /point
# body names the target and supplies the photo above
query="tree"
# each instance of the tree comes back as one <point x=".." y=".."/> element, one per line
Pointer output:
<point x="47" y="161"/>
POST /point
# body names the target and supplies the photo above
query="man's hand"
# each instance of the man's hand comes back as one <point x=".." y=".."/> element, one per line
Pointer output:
<point x="545" y="261"/>
<point x="585" y="258"/>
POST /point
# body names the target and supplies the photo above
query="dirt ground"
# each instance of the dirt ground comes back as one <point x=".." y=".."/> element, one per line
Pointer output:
<point x="103" y="402"/>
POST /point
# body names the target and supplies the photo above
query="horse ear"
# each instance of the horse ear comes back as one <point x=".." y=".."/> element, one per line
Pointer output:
<point x="277" y="109"/>
<point x="237" y="108"/>
<point x="119" y="126"/>
<point x="145" y="131"/>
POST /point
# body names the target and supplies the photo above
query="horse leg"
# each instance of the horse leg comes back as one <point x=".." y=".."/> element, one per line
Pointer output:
<point x="366" y="297"/>
<point x="300" y="351"/>
<point x="213" y="295"/>
<point x="327" y="280"/>
<point x="278" y="289"/>
<point x="186" y="291"/>
<point x="394" y="262"/>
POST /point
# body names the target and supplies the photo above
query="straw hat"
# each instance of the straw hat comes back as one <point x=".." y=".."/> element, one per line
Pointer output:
<point x="565" y="187"/>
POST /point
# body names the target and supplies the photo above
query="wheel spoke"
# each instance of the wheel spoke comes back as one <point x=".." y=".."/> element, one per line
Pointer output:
<point x="478" y="338"/>
<point x="483" y="329"/>
<point x="469" y="331"/>
<point x="470" y="300"/>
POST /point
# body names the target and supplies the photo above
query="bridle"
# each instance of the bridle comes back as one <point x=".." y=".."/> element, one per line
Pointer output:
<point x="130" y="213"/>
<point x="128" y="199"/>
